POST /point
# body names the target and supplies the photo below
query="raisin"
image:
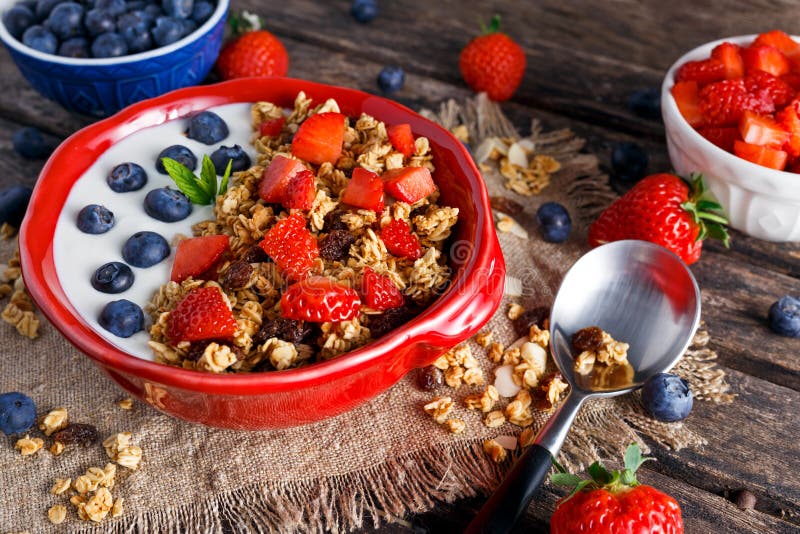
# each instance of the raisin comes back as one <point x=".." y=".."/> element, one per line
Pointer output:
<point x="506" y="205"/>
<point x="79" y="433"/>
<point x="336" y="245"/>
<point x="387" y="321"/>
<point x="589" y="338"/>
<point x="333" y="221"/>
<point x="429" y="378"/>
<point x="537" y="316"/>
<point x="255" y="254"/>
<point x="286" y="329"/>
<point x="238" y="275"/>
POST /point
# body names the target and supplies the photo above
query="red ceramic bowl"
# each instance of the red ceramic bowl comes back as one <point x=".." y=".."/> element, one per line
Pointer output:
<point x="296" y="396"/>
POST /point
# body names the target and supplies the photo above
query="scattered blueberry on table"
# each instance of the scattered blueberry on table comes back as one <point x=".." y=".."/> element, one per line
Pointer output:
<point x="391" y="79"/>
<point x="95" y="219"/>
<point x="364" y="11"/>
<point x="646" y="103"/>
<point x="239" y="159"/>
<point x="17" y="413"/>
<point x="167" y="205"/>
<point x="122" y="318"/>
<point x="126" y="177"/>
<point x="629" y="162"/>
<point x="112" y="277"/>
<point x="145" y="249"/>
<point x="179" y="153"/>
<point x="784" y="316"/>
<point x="29" y="143"/>
<point x="207" y="127"/>
<point x="667" y="397"/>
<point x="13" y="204"/>
<point x="554" y="221"/>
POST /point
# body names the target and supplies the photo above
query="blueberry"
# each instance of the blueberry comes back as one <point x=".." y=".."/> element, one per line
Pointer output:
<point x="187" y="26"/>
<point x="40" y="38"/>
<point x="126" y="177"/>
<point x="784" y="316"/>
<point x="99" y="21"/>
<point x="179" y="153"/>
<point x="44" y="7"/>
<point x="109" y="44"/>
<point x="239" y="158"/>
<point x="116" y="7"/>
<point x="554" y="221"/>
<point x="628" y="162"/>
<point x="207" y="127"/>
<point x="134" y="28"/>
<point x="145" y="249"/>
<point x="202" y="11"/>
<point x="180" y="9"/>
<point x="95" y="219"/>
<point x="167" y="31"/>
<point x="391" y="79"/>
<point x="122" y="318"/>
<point x="113" y="277"/>
<point x="17" y="413"/>
<point x="29" y="143"/>
<point x="167" y="205"/>
<point x="364" y="10"/>
<point x="74" y="47"/>
<point x="13" y="204"/>
<point x="66" y="20"/>
<point x="134" y="5"/>
<point x="17" y="20"/>
<point x="646" y="102"/>
<point x="154" y="11"/>
<point x="667" y="397"/>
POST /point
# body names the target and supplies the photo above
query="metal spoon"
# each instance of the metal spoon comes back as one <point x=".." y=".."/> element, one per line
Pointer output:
<point x="641" y="294"/>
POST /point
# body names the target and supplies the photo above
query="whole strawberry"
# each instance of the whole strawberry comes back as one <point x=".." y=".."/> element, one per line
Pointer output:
<point x="613" y="502"/>
<point x="666" y="210"/>
<point x="493" y="63"/>
<point x="255" y="52"/>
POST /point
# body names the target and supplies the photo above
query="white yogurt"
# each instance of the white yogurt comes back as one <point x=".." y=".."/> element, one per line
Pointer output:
<point x="78" y="255"/>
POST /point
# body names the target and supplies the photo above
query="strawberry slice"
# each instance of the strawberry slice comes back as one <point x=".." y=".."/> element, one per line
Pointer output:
<point x="291" y="246"/>
<point x="272" y="127"/>
<point x="365" y="190"/>
<point x="197" y="255"/>
<point x="319" y="138"/>
<point x="277" y="176"/>
<point x="300" y="191"/>
<point x="401" y="138"/>
<point x="723" y="103"/>
<point x="319" y="299"/>
<point x="400" y="241"/>
<point x="379" y="292"/>
<point x="202" y="314"/>
<point x="687" y="98"/>
<point x="792" y="79"/>
<point x="758" y="130"/>
<point x="722" y="137"/>
<point x="703" y="72"/>
<point x="789" y="120"/>
<point x="762" y="155"/>
<point x="408" y="184"/>
<point x="730" y="56"/>
<point x="766" y="58"/>
<point x="780" y="40"/>
<point x="765" y="85"/>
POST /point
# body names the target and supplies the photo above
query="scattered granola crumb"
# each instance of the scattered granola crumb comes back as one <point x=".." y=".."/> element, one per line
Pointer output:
<point x="126" y="404"/>
<point x="495" y="352"/>
<point x="473" y="376"/>
<point x="118" y="447"/>
<point x="56" y="448"/>
<point x="28" y="445"/>
<point x="54" y="421"/>
<point x="515" y="311"/>
<point x="495" y="451"/>
<point x="455" y="426"/>
<point x="117" y="509"/>
<point x="453" y="376"/>
<point x="98" y="506"/>
<point x="60" y="486"/>
<point x="7" y="231"/>
<point x="439" y="408"/>
<point x="505" y="223"/>
<point x="539" y="336"/>
<point x="494" y="419"/>
<point x="484" y="338"/>
<point x="526" y="437"/>
<point x="57" y="514"/>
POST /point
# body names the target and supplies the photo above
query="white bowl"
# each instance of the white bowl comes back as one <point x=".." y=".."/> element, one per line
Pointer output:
<point x="759" y="201"/>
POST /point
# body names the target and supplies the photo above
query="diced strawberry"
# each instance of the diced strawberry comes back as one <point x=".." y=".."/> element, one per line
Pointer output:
<point x="319" y="299"/>
<point x="202" y="314"/>
<point x="687" y="98"/>
<point x="272" y="127"/>
<point x="789" y="119"/>
<point x="408" y="184"/>
<point x="766" y="58"/>
<point x="730" y="56"/>
<point x="319" y="138"/>
<point x="401" y="138"/>
<point x="365" y="190"/>
<point x="703" y="72"/>
<point x="758" y="130"/>
<point x="793" y="80"/>
<point x="763" y="84"/>
<point x="762" y="155"/>
<point x="291" y="246"/>
<point x="276" y="177"/>
<point x="780" y="40"/>
<point x="197" y="255"/>
<point x="722" y="137"/>
<point x="400" y="241"/>
<point x="379" y="292"/>
<point x="300" y="191"/>
<point x="723" y="103"/>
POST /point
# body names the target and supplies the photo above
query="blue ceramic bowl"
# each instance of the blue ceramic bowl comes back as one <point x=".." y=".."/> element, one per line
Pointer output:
<point x="103" y="86"/>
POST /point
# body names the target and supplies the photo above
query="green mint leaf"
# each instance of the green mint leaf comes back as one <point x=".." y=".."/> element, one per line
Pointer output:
<point x="223" y="186"/>
<point x="186" y="181"/>
<point x="565" y="479"/>
<point x="208" y="177"/>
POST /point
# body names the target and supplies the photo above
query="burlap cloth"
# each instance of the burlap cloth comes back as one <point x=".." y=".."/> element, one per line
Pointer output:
<point x="381" y="461"/>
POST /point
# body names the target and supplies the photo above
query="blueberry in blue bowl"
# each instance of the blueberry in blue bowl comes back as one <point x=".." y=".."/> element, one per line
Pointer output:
<point x="112" y="277"/>
<point x="145" y="249"/>
<point x="207" y="127"/>
<point x="95" y="219"/>
<point x="167" y="205"/>
<point x="126" y="177"/>
<point x="66" y="20"/>
<point x="122" y="318"/>
<point x="179" y="153"/>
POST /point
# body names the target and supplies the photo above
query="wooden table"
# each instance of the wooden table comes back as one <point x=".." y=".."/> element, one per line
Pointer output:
<point x="584" y="59"/>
